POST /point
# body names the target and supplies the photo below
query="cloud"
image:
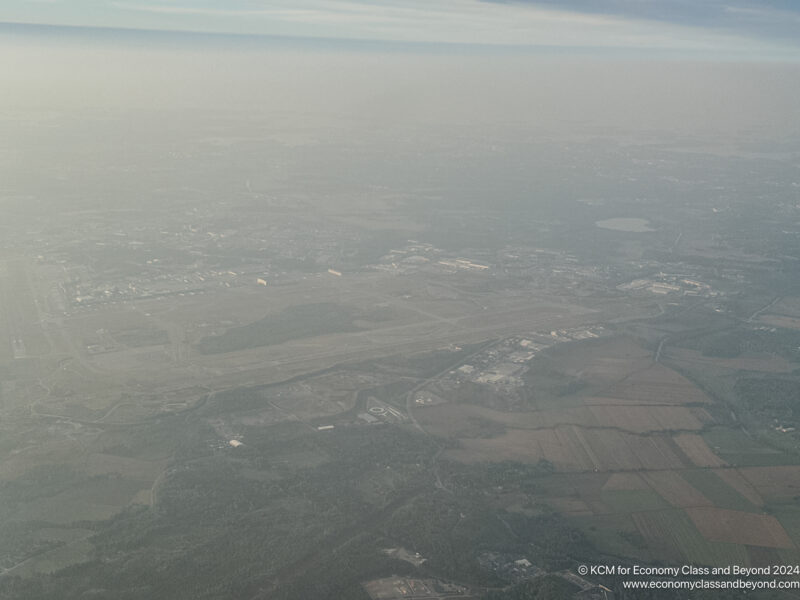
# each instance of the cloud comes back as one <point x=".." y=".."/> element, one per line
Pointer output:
<point x="167" y="9"/>
<point x="762" y="18"/>
<point x="734" y="26"/>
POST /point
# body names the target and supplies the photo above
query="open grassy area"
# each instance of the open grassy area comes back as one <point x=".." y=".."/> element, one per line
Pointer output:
<point x="292" y="323"/>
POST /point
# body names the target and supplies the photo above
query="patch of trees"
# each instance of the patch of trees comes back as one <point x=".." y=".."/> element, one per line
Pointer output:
<point x="730" y="344"/>
<point x="770" y="396"/>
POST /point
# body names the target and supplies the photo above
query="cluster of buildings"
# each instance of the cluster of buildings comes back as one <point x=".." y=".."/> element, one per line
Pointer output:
<point x="421" y="256"/>
<point x="516" y="569"/>
<point x="503" y="365"/>
<point x="509" y="567"/>
<point x="396" y="588"/>
<point x="189" y="251"/>
<point x="378" y="412"/>
<point x="667" y="284"/>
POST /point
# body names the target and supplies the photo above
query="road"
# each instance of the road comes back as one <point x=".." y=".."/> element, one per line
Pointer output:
<point x="752" y="317"/>
<point x="410" y="403"/>
<point x="661" y="347"/>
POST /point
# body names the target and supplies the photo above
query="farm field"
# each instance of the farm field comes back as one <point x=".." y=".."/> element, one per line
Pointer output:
<point x="625" y="448"/>
<point x="735" y="480"/>
<point x="676" y="489"/>
<point x="788" y="514"/>
<point x="697" y="450"/>
<point x="774" y="483"/>
<point x="737" y="527"/>
<point x="638" y="443"/>
<point x="673" y="535"/>
<point x="763" y="363"/>
<point x="717" y="490"/>
<point x="736" y="448"/>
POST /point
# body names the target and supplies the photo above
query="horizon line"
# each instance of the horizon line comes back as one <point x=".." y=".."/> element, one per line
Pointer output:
<point x="106" y="33"/>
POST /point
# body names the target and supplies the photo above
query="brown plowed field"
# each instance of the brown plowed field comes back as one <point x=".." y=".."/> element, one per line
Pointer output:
<point x="559" y="446"/>
<point x="656" y="452"/>
<point x="765" y="364"/>
<point x="624" y="481"/>
<point x="737" y="527"/>
<point x="657" y="384"/>
<point x="675" y="489"/>
<point x="572" y="448"/>
<point x="642" y="419"/>
<point x="696" y="449"/>
<point x="779" y="483"/>
<point x="606" y="401"/>
<point x="454" y="419"/>
<point x="618" y="451"/>
<point x="658" y="393"/>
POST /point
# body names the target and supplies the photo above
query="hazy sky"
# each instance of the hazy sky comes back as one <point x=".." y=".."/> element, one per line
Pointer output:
<point x="714" y="28"/>
<point x="703" y="64"/>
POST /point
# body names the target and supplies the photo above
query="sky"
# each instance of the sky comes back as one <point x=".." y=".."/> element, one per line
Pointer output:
<point x="737" y="29"/>
<point x="722" y="65"/>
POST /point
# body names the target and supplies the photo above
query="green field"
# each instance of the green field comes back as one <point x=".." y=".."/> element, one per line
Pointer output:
<point x="720" y="493"/>
<point x="674" y="530"/>
<point x="789" y="516"/>
<point x="615" y="534"/>
<point x="739" y="449"/>
<point x="629" y="501"/>
<point x="295" y="322"/>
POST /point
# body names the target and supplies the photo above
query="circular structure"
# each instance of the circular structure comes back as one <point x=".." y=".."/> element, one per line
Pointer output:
<point x="377" y="410"/>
